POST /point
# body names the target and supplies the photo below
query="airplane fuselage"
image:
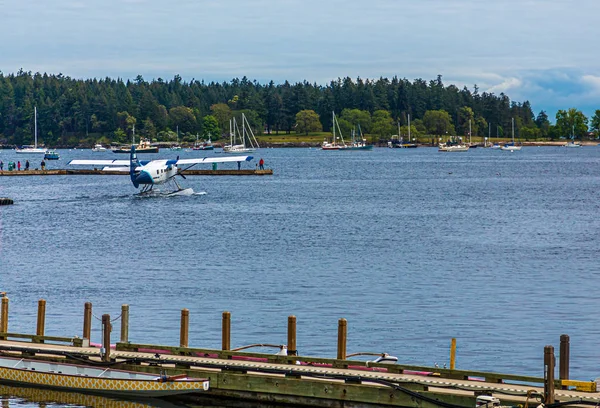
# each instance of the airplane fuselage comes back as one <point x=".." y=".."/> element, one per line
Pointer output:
<point x="156" y="172"/>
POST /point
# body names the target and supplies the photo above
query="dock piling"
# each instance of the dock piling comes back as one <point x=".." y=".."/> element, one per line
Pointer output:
<point x="453" y="354"/>
<point x="291" y="343"/>
<point x="226" y="329"/>
<point x="87" y="320"/>
<point x="124" y="323"/>
<point x="106" y="328"/>
<point x="563" y="363"/>
<point x="4" y="317"/>
<point x="41" y="318"/>
<point x="549" y="363"/>
<point x="185" y="326"/>
<point x="342" y="336"/>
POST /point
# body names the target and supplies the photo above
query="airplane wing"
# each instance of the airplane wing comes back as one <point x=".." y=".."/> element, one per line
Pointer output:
<point x="101" y="162"/>
<point x="227" y="159"/>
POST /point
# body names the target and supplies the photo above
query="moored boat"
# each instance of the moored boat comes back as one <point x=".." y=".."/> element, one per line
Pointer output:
<point x="143" y="147"/>
<point x="107" y="381"/>
<point x="51" y="155"/>
<point x="511" y="147"/>
<point x="32" y="149"/>
<point x="98" y="148"/>
<point x="447" y="147"/>
<point x="245" y="134"/>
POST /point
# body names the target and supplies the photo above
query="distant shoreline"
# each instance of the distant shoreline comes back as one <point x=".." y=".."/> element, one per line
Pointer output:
<point x="318" y="145"/>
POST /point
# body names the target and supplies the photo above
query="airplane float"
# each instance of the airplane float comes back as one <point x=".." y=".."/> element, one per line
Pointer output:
<point x="148" y="173"/>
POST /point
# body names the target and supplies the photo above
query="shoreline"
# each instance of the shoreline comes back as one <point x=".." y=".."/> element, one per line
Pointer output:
<point x="267" y="145"/>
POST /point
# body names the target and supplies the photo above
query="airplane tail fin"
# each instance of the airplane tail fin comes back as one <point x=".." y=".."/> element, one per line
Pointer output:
<point x="133" y="164"/>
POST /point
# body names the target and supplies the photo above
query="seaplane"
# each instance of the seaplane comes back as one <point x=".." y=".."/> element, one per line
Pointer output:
<point x="150" y="173"/>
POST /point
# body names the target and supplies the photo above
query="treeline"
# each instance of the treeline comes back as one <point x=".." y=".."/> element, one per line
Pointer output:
<point x="74" y="111"/>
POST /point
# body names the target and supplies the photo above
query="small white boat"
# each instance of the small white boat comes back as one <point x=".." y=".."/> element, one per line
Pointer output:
<point x="572" y="143"/>
<point x="98" y="148"/>
<point x="443" y="147"/>
<point x="107" y="381"/>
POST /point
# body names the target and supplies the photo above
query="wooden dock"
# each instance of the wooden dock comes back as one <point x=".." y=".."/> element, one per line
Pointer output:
<point x="301" y="380"/>
<point x="97" y="172"/>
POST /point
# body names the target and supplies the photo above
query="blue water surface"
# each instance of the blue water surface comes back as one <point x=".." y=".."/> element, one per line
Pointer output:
<point x="411" y="246"/>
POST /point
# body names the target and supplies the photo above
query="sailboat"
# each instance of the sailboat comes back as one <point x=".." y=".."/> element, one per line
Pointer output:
<point x="572" y="143"/>
<point x="246" y="134"/>
<point x="511" y="147"/>
<point x="471" y="144"/>
<point x="359" y="142"/>
<point x="495" y="146"/>
<point x="32" y="149"/>
<point x="408" y="144"/>
<point x="176" y="146"/>
<point x="335" y="144"/>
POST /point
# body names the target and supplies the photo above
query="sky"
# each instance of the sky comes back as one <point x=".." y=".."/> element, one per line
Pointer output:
<point x="543" y="51"/>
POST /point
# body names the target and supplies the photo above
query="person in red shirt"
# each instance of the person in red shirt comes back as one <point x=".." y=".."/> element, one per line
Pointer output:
<point x="261" y="164"/>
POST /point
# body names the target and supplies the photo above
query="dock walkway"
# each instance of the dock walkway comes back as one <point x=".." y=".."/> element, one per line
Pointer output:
<point x="290" y="382"/>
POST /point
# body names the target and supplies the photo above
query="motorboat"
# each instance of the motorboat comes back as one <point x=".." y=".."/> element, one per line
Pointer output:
<point x="453" y="147"/>
<point x="51" y="155"/>
<point x="96" y="380"/>
<point x="143" y="147"/>
<point x="98" y="148"/>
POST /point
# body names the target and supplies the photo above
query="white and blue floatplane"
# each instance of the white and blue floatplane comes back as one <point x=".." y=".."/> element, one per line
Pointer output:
<point x="148" y="173"/>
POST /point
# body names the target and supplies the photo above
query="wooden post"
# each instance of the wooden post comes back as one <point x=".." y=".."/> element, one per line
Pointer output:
<point x="453" y="354"/>
<point x="87" y="320"/>
<point x="4" y="317"/>
<point x="226" y="328"/>
<point x="185" y="326"/>
<point x="106" y="328"/>
<point x="342" y="336"/>
<point x="124" y="323"/>
<point x="549" y="375"/>
<point x="41" y="318"/>
<point x="291" y="343"/>
<point x="563" y="365"/>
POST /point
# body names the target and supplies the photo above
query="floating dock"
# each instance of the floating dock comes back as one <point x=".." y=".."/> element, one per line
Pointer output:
<point x="292" y="379"/>
<point x="96" y="172"/>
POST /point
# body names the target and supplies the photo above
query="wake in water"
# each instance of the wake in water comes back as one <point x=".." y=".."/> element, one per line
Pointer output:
<point x="187" y="192"/>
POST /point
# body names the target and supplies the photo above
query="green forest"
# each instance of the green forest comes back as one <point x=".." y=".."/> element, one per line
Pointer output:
<point x="77" y="112"/>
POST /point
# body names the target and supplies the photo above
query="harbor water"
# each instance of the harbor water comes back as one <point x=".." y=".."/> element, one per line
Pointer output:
<point x="411" y="246"/>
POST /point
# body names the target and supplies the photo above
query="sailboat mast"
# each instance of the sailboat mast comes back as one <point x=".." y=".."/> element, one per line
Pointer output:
<point x="333" y="124"/>
<point x="243" y="129"/>
<point x="35" y="126"/>
<point x="469" y="131"/>
<point x="409" y="128"/>
<point x="513" y="129"/>
<point x="133" y="135"/>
